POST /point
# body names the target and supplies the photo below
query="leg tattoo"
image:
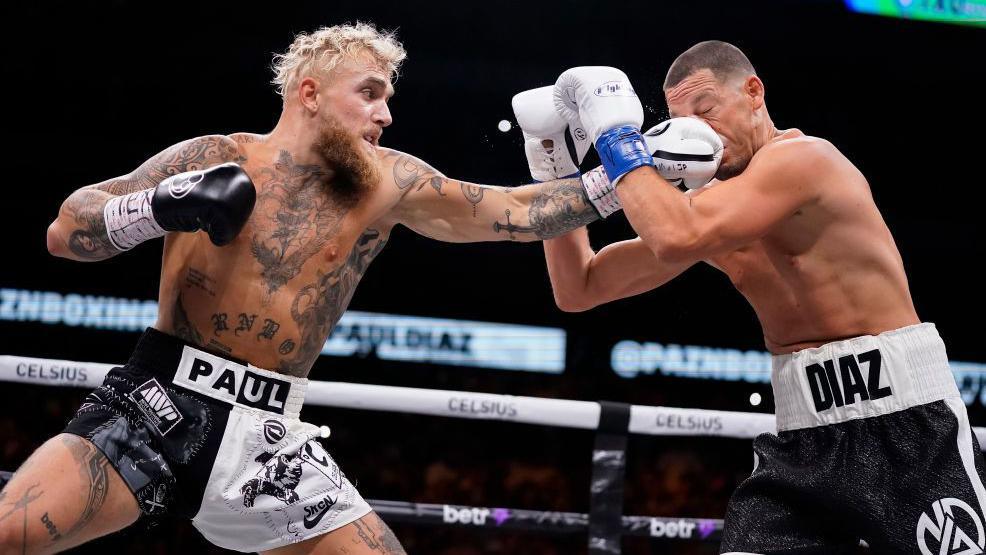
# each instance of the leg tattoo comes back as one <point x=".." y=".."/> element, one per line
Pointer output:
<point x="93" y="469"/>
<point x="377" y="536"/>
<point x="21" y="504"/>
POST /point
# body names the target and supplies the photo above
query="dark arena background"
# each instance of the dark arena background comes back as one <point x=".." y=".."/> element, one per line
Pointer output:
<point x="96" y="88"/>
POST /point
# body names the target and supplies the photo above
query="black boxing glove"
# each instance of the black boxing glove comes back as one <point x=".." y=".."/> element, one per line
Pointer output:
<point x="217" y="200"/>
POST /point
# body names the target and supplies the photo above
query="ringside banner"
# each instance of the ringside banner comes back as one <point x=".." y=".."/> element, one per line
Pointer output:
<point x="386" y="336"/>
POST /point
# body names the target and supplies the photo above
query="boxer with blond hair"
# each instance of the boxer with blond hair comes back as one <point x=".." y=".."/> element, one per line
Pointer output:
<point x="265" y="239"/>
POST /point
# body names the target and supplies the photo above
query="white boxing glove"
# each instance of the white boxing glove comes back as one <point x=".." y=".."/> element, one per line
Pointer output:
<point x="603" y="99"/>
<point x="686" y="151"/>
<point x="547" y="154"/>
<point x="544" y="135"/>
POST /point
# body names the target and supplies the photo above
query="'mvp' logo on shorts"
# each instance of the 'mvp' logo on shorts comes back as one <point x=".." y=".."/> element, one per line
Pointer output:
<point x="231" y="382"/>
<point x="153" y="401"/>
<point x="829" y="387"/>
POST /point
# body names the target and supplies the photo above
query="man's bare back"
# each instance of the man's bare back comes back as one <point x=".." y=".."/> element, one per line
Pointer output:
<point x="829" y="271"/>
<point x="792" y="223"/>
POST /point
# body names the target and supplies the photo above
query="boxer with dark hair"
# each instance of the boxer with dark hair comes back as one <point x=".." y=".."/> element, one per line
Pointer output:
<point x="873" y="440"/>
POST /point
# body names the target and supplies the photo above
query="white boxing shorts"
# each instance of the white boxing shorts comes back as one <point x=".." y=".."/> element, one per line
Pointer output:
<point x="220" y="442"/>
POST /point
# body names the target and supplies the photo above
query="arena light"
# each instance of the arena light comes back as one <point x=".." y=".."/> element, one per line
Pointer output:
<point x="964" y="12"/>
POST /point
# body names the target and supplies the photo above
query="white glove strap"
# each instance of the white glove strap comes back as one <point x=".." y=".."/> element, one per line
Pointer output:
<point x="130" y="221"/>
<point x="602" y="194"/>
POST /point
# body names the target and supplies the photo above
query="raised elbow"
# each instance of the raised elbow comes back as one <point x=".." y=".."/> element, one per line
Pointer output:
<point x="570" y="305"/>
<point x="671" y="253"/>
<point x="56" y="245"/>
<point x="572" y="302"/>
<point x="677" y="247"/>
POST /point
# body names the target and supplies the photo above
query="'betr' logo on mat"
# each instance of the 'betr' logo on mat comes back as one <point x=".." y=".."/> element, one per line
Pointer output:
<point x="949" y="529"/>
<point x="153" y="401"/>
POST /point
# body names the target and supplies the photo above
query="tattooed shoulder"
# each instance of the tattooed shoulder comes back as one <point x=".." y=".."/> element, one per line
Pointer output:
<point x="193" y="154"/>
<point x="247" y="138"/>
<point x="408" y="171"/>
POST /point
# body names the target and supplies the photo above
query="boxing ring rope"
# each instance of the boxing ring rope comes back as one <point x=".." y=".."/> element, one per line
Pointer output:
<point x="612" y="422"/>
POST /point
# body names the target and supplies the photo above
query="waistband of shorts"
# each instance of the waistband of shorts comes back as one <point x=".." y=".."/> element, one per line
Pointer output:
<point x="861" y="377"/>
<point x="230" y="381"/>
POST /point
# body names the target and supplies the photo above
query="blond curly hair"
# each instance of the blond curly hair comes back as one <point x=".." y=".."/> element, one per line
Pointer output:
<point x="322" y="50"/>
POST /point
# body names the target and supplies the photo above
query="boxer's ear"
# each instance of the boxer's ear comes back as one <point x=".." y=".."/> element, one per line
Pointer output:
<point x="308" y="93"/>
<point x="753" y="88"/>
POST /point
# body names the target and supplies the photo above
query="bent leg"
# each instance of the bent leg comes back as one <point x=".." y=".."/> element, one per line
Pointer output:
<point x="366" y="536"/>
<point x="65" y="494"/>
<point x="786" y="505"/>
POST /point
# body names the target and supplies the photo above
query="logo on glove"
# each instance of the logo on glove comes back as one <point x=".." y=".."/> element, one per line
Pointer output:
<point x="615" y="88"/>
<point x="180" y="188"/>
<point x="658" y="129"/>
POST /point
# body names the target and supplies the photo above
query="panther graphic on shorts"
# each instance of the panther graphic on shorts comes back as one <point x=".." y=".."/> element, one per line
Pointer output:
<point x="279" y="476"/>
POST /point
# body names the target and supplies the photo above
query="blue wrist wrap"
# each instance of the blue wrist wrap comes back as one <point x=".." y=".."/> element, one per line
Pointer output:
<point x="621" y="150"/>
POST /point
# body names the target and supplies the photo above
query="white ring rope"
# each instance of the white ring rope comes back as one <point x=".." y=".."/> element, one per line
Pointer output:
<point x="648" y="420"/>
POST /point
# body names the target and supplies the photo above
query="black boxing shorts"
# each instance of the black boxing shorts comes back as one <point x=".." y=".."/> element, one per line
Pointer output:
<point x="873" y="444"/>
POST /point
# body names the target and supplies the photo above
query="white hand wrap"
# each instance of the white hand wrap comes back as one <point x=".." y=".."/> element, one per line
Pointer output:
<point x="130" y="221"/>
<point x="601" y="192"/>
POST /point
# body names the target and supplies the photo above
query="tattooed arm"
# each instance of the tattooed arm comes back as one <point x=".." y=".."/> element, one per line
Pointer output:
<point x="461" y="212"/>
<point x="79" y="231"/>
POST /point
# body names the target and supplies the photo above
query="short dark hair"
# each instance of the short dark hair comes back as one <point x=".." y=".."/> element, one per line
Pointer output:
<point x="722" y="58"/>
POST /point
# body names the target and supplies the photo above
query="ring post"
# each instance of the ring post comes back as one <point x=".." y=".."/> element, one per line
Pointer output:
<point x="608" y="472"/>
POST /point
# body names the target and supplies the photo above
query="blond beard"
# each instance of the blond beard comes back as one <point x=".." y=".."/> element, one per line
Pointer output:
<point x="356" y="171"/>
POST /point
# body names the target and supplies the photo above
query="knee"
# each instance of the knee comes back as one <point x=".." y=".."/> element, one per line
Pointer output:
<point x="12" y="534"/>
<point x="15" y="539"/>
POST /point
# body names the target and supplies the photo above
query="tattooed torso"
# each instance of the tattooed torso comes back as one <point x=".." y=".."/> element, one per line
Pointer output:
<point x="273" y="295"/>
